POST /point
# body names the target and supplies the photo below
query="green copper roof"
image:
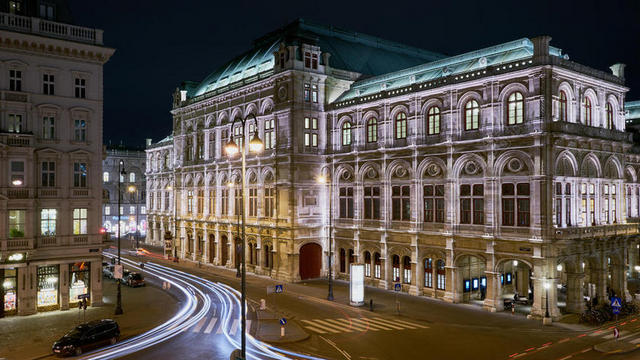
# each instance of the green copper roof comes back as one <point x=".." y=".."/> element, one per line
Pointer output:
<point x="475" y="60"/>
<point x="349" y="51"/>
<point x="632" y="111"/>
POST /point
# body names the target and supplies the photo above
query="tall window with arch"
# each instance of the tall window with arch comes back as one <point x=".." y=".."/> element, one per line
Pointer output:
<point x="433" y="120"/>
<point x="515" y="108"/>
<point x="367" y="264"/>
<point x="372" y="130"/>
<point x="346" y="134"/>
<point x="132" y="177"/>
<point x="401" y="126"/>
<point x="377" y="266"/>
<point x="343" y="260"/>
<point x="441" y="274"/>
<point x="562" y="108"/>
<point x="586" y="111"/>
<point x="471" y="115"/>
<point x="395" y="264"/>
<point x="428" y="272"/>
<point x="608" y="124"/>
<point x="406" y="270"/>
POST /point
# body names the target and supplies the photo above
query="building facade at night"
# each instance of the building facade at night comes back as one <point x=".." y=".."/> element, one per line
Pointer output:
<point x="50" y="167"/>
<point x="465" y="178"/>
<point x="133" y="220"/>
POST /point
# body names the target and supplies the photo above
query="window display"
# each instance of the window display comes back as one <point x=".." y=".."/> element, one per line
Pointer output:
<point x="79" y="280"/>
<point x="10" y="285"/>
<point x="48" y="285"/>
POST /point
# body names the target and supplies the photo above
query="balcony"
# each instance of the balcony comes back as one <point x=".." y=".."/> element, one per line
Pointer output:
<point x="47" y="192"/>
<point x="15" y="96"/>
<point x="600" y="231"/>
<point x="590" y="131"/>
<point x="80" y="193"/>
<point x="37" y="26"/>
<point x="16" y="139"/>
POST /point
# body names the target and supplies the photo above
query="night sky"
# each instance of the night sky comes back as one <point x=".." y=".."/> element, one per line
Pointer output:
<point x="161" y="43"/>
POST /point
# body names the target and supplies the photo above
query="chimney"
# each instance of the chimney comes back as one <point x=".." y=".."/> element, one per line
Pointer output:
<point x="618" y="70"/>
<point x="147" y="141"/>
<point x="541" y="46"/>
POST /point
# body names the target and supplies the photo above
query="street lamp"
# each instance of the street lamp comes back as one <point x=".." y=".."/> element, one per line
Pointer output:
<point x="175" y="227"/>
<point x="546" y="289"/>
<point x="231" y="185"/>
<point x="122" y="174"/>
<point x="255" y="146"/>
<point x="324" y="180"/>
<point x="132" y="189"/>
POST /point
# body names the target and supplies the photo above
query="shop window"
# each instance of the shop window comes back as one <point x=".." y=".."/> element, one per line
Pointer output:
<point x="79" y="277"/>
<point x="428" y="272"/>
<point x="16" y="223"/>
<point x="48" y="277"/>
<point x="48" y="222"/>
<point x="9" y="282"/>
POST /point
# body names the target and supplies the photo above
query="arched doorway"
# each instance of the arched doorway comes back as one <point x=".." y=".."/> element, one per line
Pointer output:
<point x="471" y="279"/>
<point x="310" y="261"/>
<point x="515" y="285"/>
<point x="224" y="249"/>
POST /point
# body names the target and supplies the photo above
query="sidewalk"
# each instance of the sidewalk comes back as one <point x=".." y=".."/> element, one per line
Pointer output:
<point x="28" y="337"/>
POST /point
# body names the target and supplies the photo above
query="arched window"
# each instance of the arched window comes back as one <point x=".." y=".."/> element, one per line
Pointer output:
<point x="442" y="275"/>
<point x="395" y="261"/>
<point x="515" y="105"/>
<point x="406" y="270"/>
<point x="433" y="120"/>
<point x="346" y="134"/>
<point x="105" y="176"/>
<point x="352" y="258"/>
<point x="250" y="253"/>
<point x="428" y="272"/>
<point x="343" y="255"/>
<point x="563" y="106"/>
<point x="267" y="264"/>
<point x="401" y="126"/>
<point x="377" y="266"/>
<point x="609" y="122"/>
<point x="132" y="177"/>
<point x="372" y="130"/>
<point x="586" y="111"/>
<point x="367" y="264"/>
<point x="471" y="115"/>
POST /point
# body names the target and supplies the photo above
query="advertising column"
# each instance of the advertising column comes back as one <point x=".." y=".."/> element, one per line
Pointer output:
<point x="356" y="285"/>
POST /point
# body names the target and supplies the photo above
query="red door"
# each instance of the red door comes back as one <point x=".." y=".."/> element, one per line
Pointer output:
<point x="310" y="261"/>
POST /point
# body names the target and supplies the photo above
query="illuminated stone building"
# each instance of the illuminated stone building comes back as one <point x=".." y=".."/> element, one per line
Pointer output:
<point x="465" y="178"/>
<point x="51" y="157"/>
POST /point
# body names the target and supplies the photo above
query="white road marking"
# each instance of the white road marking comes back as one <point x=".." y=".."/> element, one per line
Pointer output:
<point x="345" y="322"/>
<point x="386" y="322"/>
<point x="344" y="353"/>
<point x="314" y="324"/>
<point x="212" y="323"/>
<point x="316" y="330"/>
<point x="370" y="325"/>
<point x="339" y="328"/>
<point x="200" y="324"/>
<point x="248" y="326"/>
<point x="234" y="327"/>
<point x="411" y="324"/>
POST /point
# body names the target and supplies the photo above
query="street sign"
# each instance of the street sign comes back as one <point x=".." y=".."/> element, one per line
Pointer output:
<point x="117" y="271"/>
<point x="616" y="304"/>
<point x="283" y="321"/>
<point x="279" y="289"/>
<point x="397" y="287"/>
<point x="83" y="296"/>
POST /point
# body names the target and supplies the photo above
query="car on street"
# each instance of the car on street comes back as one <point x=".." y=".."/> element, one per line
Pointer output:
<point x="107" y="271"/>
<point x="134" y="279"/>
<point x="87" y="336"/>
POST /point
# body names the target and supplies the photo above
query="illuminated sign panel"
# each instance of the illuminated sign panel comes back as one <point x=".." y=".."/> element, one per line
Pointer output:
<point x="356" y="285"/>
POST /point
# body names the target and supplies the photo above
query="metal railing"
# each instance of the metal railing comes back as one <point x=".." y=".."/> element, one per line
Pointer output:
<point x="34" y="25"/>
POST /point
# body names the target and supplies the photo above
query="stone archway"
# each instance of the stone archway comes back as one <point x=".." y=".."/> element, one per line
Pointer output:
<point x="470" y="286"/>
<point x="310" y="261"/>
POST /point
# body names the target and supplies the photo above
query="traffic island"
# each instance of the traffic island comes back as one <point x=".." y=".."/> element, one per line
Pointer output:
<point x="269" y="329"/>
<point x="616" y="347"/>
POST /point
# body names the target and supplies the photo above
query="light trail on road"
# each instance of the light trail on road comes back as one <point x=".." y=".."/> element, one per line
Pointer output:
<point x="198" y="293"/>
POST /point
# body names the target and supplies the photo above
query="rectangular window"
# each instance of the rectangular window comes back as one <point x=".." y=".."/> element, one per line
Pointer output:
<point x="15" y="80"/>
<point x="15" y="124"/>
<point x="311" y="132"/>
<point x="80" y="88"/>
<point x="310" y="60"/>
<point x="224" y="138"/>
<point x="269" y="134"/>
<point x="132" y="210"/>
<point x="433" y="203"/>
<point x="269" y="201"/>
<point x="224" y="204"/>
<point x="79" y="174"/>
<point x="189" y="202"/>
<point x="346" y="203"/>
<point x="523" y="196"/>
<point x="143" y="210"/>
<point x="307" y="92"/>
<point x="212" y="202"/>
<point x="314" y="93"/>
<point x="401" y="203"/>
<point x="237" y="197"/>
<point x="48" y="84"/>
<point x="80" y="221"/>
<point x="17" y="173"/>
<point x="372" y="202"/>
<point x="16" y="223"/>
<point x="48" y="127"/>
<point x="107" y="210"/>
<point x="200" y="202"/>
<point x="253" y="202"/>
<point x="80" y="130"/>
<point x="48" y="222"/>
<point x="472" y="204"/>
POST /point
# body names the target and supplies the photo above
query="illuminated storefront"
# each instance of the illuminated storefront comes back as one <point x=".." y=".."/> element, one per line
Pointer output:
<point x="48" y="277"/>
<point x="79" y="280"/>
<point x="10" y="288"/>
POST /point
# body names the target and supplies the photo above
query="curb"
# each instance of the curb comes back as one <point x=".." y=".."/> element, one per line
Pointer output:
<point x="625" y="349"/>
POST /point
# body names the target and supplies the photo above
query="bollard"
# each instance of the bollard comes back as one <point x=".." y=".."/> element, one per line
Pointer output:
<point x="263" y="304"/>
<point x="370" y="304"/>
<point x="281" y="331"/>
<point x="513" y="308"/>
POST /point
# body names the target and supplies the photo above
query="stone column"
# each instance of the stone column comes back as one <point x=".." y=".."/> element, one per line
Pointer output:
<point x="545" y="273"/>
<point x="493" y="300"/>
<point x="601" y="276"/>
<point x="633" y="259"/>
<point x="419" y="271"/>
<point x="450" y="292"/>
<point x="575" y="301"/>
<point x="63" y="283"/>
<point x="194" y="246"/>
<point x="205" y="251"/>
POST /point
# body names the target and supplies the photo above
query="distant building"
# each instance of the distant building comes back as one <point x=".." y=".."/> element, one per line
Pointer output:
<point x="632" y="115"/>
<point x="133" y="189"/>
<point x="51" y="101"/>
<point x="465" y="178"/>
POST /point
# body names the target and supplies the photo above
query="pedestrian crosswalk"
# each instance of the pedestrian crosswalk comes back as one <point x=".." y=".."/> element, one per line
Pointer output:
<point x="211" y="323"/>
<point x="349" y="325"/>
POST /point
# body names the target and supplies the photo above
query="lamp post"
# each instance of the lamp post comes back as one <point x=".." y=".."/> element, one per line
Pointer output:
<point x="231" y="185"/>
<point x="175" y="227"/>
<point x="546" y="308"/>
<point x="324" y="180"/>
<point x="131" y="189"/>
<point x="122" y="173"/>
<point x="255" y="146"/>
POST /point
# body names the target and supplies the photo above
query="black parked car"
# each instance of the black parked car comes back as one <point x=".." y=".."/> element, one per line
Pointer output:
<point x="87" y="336"/>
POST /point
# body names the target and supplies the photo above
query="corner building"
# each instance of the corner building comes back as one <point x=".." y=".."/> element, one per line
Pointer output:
<point x="466" y="178"/>
<point x="50" y="158"/>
